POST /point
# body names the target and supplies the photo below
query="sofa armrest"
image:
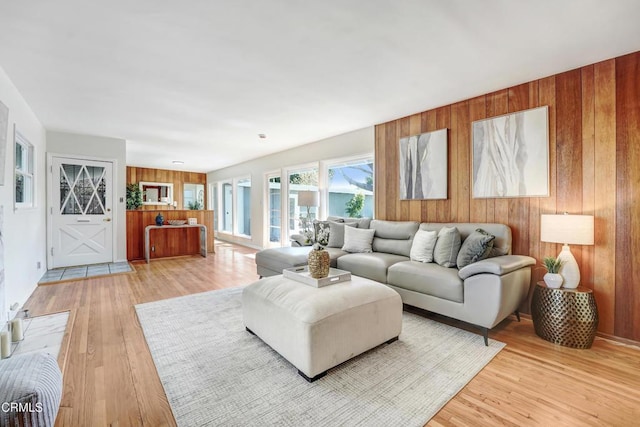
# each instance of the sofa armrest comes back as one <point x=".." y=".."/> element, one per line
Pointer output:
<point x="497" y="265"/>
<point x="299" y="240"/>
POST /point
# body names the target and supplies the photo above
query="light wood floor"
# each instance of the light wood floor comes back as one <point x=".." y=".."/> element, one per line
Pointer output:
<point x="110" y="378"/>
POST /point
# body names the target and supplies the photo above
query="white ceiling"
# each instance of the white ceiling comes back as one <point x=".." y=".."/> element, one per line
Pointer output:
<point x="197" y="80"/>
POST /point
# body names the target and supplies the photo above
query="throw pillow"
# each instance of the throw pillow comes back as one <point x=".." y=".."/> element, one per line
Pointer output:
<point x="476" y="247"/>
<point x="422" y="246"/>
<point x="321" y="232"/>
<point x="447" y="246"/>
<point x="336" y="233"/>
<point x="358" y="240"/>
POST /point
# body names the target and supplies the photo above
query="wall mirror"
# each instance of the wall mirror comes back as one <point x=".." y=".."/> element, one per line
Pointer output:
<point x="156" y="193"/>
<point x="193" y="196"/>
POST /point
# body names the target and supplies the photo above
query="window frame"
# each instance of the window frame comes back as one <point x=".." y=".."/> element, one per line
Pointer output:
<point x="236" y="210"/>
<point x="30" y="150"/>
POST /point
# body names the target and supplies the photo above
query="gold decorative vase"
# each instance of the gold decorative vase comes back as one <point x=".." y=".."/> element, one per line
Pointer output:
<point x="319" y="263"/>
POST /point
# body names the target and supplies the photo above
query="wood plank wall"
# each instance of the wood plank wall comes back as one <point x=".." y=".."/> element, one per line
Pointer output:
<point x="178" y="178"/>
<point x="594" y="134"/>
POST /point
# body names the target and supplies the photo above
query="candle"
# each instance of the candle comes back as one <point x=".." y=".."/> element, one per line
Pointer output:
<point x="17" y="333"/>
<point x="5" y="344"/>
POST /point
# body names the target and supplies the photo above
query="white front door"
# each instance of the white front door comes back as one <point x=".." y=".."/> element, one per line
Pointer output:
<point x="81" y="210"/>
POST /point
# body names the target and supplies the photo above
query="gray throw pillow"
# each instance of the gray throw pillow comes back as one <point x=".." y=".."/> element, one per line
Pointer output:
<point x="357" y="240"/>
<point x="447" y="246"/>
<point x="477" y="246"/>
<point x="336" y="233"/>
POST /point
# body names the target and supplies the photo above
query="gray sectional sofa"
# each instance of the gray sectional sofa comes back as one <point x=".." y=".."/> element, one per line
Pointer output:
<point x="482" y="293"/>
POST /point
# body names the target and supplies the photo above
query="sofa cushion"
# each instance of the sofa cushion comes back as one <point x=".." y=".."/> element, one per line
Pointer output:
<point x="423" y="244"/>
<point x="393" y="237"/>
<point x="372" y="266"/>
<point x="356" y="240"/>
<point x="475" y="247"/>
<point x="447" y="247"/>
<point x="427" y="278"/>
<point x="362" y="222"/>
<point x="336" y="233"/>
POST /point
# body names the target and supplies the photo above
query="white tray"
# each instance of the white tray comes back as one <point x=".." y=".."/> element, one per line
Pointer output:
<point x="302" y="275"/>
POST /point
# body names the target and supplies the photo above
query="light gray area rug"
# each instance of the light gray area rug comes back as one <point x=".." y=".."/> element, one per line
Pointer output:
<point x="216" y="373"/>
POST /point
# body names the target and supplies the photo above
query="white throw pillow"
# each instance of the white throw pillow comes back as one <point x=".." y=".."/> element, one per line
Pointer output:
<point x="422" y="247"/>
<point x="358" y="240"/>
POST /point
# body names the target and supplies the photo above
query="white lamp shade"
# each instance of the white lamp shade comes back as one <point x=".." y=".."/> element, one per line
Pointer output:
<point x="567" y="229"/>
<point x="308" y="198"/>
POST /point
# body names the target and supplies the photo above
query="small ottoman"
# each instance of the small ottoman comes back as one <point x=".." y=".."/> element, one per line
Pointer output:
<point x="318" y="328"/>
<point x="30" y="390"/>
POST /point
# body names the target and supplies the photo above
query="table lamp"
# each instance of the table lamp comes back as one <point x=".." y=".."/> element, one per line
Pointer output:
<point x="567" y="229"/>
<point x="307" y="198"/>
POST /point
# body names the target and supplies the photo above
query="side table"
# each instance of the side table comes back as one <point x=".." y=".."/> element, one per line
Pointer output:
<point x="568" y="317"/>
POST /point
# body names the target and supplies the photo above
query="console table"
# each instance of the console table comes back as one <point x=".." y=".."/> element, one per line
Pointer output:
<point x="148" y="228"/>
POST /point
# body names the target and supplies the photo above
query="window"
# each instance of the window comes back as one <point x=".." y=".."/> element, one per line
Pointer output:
<point x="274" y="200"/>
<point x="24" y="177"/>
<point x="227" y="207"/>
<point x="214" y="204"/>
<point x="303" y="207"/>
<point x="350" y="191"/>
<point x="243" y="211"/>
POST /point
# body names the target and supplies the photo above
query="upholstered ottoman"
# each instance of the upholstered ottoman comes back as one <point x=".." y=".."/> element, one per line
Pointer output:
<point x="318" y="328"/>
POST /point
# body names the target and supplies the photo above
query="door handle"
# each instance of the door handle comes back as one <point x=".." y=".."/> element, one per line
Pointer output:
<point x="83" y="220"/>
<point x="107" y="219"/>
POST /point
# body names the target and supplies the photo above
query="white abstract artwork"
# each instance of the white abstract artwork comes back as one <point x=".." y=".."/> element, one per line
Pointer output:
<point x="423" y="166"/>
<point x="511" y="155"/>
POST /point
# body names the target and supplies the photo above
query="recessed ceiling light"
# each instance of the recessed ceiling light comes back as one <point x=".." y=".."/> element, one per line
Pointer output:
<point x="262" y="136"/>
<point x="178" y="162"/>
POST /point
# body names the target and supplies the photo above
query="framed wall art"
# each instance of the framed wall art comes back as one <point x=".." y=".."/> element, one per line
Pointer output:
<point x="511" y="155"/>
<point x="424" y="166"/>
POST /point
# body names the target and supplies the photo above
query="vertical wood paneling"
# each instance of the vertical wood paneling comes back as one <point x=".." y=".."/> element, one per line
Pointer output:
<point x="588" y="167"/>
<point x="402" y="208"/>
<point x="519" y="206"/>
<point x="497" y="105"/>
<point x="594" y="159"/>
<point x="178" y="178"/>
<point x="547" y="94"/>
<point x="415" y="206"/>
<point x="477" y="207"/>
<point x="604" y="269"/>
<point x="430" y="124"/>
<point x="380" y="170"/>
<point x="443" y="207"/>
<point x="463" y="143"/>
<point x="627" y="313"/>
<point x="391" y="178"/>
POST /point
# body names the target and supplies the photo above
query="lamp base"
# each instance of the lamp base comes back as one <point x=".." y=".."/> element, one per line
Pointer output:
<point x="569" y="270"/>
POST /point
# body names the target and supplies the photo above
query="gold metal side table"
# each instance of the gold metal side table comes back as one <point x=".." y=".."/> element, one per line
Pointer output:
<point x="568" y="317"/>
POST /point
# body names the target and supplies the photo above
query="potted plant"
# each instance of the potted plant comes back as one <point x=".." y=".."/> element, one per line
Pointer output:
<point x="134" y="196"/>
<point x="553" y="279"/>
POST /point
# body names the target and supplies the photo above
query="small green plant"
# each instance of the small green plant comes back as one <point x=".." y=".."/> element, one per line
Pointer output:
<point x="355" y="205"/>
<point x="552" y="264"/>
<point x="134" y="196"/>
<point x="194" y="206"/>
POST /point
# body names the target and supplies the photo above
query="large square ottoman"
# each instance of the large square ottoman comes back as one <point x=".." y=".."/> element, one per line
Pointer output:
<point x="318" y="328"/>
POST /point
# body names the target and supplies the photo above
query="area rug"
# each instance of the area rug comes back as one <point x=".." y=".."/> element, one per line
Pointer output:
<point x="216" y="373"/>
